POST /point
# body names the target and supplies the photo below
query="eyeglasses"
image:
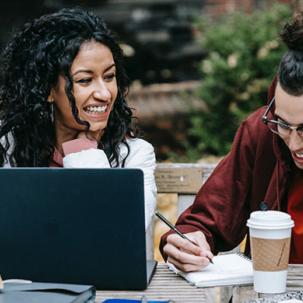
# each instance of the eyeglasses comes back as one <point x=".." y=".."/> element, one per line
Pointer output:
<point x="280" y="128"/>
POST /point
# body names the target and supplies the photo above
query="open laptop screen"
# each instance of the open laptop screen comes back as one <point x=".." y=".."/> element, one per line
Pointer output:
<point x="81" y="226"/>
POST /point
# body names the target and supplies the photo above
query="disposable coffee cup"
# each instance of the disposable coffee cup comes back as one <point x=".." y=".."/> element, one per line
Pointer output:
<point x="270" y="233"/>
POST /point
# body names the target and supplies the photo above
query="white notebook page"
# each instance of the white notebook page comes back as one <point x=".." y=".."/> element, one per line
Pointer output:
<point x="228" y="269"/>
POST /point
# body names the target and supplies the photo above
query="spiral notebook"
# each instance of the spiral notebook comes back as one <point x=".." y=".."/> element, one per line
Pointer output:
<point x="228" y="269"/>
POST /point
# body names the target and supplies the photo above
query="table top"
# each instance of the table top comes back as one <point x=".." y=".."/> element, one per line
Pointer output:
<point x="294" y="282"/>
<point x="165" y="285"/>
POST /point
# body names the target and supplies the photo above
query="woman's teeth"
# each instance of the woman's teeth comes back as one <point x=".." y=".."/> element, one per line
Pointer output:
<point x="96" y="109"/>
<point x="299" y="155"/>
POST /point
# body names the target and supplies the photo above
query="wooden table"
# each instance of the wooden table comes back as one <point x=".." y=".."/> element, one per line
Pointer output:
<point x="167" y="285"/>
<point x="294" y="282"/>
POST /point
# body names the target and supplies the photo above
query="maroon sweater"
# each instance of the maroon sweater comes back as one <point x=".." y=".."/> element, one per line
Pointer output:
<point x="257" y="168"/>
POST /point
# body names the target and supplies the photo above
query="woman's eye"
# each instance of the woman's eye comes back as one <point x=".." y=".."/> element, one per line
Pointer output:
<point x="84" y="80"/>
<point x="110" y="77"/>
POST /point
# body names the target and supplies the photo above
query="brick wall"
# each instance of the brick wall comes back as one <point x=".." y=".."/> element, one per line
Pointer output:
<point x="219" y="7"/>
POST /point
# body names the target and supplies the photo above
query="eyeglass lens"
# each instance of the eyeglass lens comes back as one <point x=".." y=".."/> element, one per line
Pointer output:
<point x="283" y="129"/>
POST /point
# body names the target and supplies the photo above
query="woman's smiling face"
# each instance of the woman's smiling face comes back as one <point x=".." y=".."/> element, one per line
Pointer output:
<point x="95" y="90"/>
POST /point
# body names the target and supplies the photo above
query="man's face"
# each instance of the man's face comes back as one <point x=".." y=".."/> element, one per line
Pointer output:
<point x="289" y="109"/>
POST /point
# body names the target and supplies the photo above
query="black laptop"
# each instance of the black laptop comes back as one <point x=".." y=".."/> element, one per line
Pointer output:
<point x="82" y="226"/>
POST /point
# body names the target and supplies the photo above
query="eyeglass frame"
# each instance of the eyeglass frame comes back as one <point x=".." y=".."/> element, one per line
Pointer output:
<point x="265" y="120"/>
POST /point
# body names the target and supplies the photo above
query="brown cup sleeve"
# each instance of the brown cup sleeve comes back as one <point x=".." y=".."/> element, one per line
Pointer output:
<point x="270" y="254"/>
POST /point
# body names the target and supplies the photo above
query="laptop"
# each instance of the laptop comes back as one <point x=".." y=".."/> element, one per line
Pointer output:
<point x="83" y="226"/>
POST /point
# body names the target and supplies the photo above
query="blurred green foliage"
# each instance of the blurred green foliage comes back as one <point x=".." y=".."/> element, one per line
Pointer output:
<point x="243" y="54"/>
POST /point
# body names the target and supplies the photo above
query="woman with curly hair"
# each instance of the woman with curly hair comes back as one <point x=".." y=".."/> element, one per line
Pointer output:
<point x="62" y="100"/>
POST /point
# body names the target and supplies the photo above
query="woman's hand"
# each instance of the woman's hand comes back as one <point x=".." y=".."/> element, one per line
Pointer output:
<point x="185" y="255"/>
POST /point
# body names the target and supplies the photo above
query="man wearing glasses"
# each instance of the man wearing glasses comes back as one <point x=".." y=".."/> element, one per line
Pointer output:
<point x="263" y="170"/>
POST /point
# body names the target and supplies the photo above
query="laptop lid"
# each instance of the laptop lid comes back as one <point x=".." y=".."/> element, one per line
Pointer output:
<point x="81" y="226"/>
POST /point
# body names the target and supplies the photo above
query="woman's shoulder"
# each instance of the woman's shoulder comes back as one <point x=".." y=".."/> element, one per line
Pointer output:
<point x="140" y="152"/>
<point x="7" y="142"/>
<point x="138" y="143"/>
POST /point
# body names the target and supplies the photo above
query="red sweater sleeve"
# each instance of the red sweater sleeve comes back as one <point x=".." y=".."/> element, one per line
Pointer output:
<point x="221" y="207"/>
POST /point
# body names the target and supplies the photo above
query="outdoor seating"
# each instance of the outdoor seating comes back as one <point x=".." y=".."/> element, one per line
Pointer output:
<point x="167" y="285"/>
<point x="183" y="179"/>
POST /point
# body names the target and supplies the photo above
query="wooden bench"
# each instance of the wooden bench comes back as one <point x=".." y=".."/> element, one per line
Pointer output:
<point x="184" y="179"/>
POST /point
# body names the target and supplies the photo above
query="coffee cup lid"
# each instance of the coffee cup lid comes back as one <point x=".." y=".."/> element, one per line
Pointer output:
<point x="270" y="219"/>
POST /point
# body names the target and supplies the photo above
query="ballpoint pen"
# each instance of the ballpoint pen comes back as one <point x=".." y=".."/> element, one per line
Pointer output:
<point x="174" y="228"/>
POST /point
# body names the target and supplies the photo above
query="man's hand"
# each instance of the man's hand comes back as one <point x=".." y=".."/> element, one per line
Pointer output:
<point x="185" y="255"/>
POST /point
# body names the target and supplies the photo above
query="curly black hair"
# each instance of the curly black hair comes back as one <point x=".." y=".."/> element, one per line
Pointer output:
<point x="30" y="66"/>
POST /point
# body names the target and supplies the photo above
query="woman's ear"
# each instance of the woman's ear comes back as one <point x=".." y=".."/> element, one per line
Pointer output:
<point x="50" y="97"/>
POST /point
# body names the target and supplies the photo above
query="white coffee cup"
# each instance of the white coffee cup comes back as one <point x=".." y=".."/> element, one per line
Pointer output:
<point x="270" y="233"/>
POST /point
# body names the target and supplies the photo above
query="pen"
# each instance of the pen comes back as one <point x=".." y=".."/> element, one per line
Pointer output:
<point x="174" y="228"/>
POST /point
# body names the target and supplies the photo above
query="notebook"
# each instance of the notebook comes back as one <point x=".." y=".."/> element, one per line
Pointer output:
<point x="228" y="269"/>
<point x="47" y="293"/>
<point x="78" y="226"/>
